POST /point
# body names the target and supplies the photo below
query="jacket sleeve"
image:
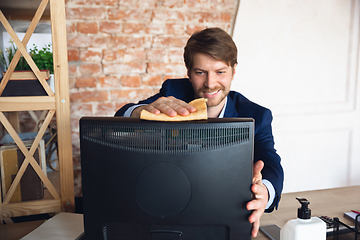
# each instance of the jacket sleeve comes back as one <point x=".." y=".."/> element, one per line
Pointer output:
<point x="123" y="109"/>
<point x="264" y="150"/>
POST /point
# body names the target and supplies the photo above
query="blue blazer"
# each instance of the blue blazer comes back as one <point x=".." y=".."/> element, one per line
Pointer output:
<point x="237" y="106"/>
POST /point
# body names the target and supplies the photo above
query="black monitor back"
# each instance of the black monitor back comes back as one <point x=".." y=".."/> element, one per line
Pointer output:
<point x="166" y="180"/>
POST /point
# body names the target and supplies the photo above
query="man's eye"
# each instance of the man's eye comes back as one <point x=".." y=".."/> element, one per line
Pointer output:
<point x="221" y="72"/>
<point x="199" y="72"/>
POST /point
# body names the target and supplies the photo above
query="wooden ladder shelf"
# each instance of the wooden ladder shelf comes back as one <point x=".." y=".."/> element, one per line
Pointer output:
<point x="57" y="103"/>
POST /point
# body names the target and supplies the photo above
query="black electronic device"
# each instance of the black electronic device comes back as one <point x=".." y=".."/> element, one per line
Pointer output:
<point x="271" y="231"/>
<point x="331" y="226"/>
<point x="166" y="180"/>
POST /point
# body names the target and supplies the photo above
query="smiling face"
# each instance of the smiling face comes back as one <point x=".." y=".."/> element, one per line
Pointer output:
<point x="211" y="79"/>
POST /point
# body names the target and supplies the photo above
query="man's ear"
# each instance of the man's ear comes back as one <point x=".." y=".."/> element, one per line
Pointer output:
<point x="234" y="69"/>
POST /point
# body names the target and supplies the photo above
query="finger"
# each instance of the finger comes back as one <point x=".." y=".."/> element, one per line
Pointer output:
<point x="189" y="107"/>
<point x="258" y="166"/>
<point x="180" y="108"/>
<point x="254" y="206"/>
<point x="168" y="110"/>
<point x="254" y="219"/>
<point x="258" y="203"/>
<point x="260" y="192"/>
<point x="180" y="105"/>
<point x="160" y="108"/>
<point x="172" y="106"/>
<point x="261" y="197"/>
<point x="151" y="109"/>
<point x="162" y="105"/>
<point x="255" y="228"/>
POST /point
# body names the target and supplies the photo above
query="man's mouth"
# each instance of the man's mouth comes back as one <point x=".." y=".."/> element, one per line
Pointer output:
<point x="211" y="93"/>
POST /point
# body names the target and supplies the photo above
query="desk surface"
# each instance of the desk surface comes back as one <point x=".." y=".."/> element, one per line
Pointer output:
<point x="16" y="231"/>
<point x="329" y="202"/>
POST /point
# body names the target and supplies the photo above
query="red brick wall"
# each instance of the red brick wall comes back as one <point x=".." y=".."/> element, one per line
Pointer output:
<point x="122" y="50"/>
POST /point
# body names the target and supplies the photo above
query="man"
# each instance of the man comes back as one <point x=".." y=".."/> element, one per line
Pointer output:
<point x="211" y="57"/>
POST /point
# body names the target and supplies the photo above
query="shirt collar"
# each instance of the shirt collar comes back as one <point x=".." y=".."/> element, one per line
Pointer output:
<point x="223" y="109"/>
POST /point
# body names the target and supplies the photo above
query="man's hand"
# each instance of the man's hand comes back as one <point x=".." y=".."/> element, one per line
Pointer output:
<point x="167" y="105"/>
<point x="258" y="204"/>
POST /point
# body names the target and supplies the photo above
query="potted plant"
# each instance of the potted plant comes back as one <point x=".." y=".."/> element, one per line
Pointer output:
<point x="23" y="81"/>
<point x="43" y="58"/>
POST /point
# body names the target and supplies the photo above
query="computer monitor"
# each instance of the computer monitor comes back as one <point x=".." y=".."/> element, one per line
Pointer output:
<point x="166" y="180"/>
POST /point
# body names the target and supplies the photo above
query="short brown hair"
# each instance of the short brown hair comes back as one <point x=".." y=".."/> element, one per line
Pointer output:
<point x="213" y="41"/>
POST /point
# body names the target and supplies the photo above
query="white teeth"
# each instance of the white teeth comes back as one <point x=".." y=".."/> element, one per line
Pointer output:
<point x="211" y="93"/>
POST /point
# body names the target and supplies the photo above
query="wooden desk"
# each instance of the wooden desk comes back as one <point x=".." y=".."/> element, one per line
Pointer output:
<point x="15" y="231"/>
<point x="329" y="202"/>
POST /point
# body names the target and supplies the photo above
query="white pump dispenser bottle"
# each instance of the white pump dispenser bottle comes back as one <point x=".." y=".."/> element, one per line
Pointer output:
<point x="304" y="227"/>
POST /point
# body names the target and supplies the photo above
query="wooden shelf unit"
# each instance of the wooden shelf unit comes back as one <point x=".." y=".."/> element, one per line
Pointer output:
<point x="55" y="103"/>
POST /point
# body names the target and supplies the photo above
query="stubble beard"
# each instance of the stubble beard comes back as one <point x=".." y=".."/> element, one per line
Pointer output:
<point x="213" y="102"/>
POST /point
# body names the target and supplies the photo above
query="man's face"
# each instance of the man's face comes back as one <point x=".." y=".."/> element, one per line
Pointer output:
<point x="211" y="79"/>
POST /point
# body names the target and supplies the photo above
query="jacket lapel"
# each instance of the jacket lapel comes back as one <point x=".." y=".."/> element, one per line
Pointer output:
<point x="230" y="110"/>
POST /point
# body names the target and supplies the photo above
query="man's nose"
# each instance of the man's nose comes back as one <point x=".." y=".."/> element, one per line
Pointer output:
<point x="210" y="80"/>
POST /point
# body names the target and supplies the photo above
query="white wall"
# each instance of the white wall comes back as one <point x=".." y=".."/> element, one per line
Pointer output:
<point x="41" y="36"/>
<point x="300" y="59"/>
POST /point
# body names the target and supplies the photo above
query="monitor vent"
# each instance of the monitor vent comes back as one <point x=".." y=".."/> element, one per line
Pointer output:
<point x="167" y="140"/>
<point x="105" y="232"/>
